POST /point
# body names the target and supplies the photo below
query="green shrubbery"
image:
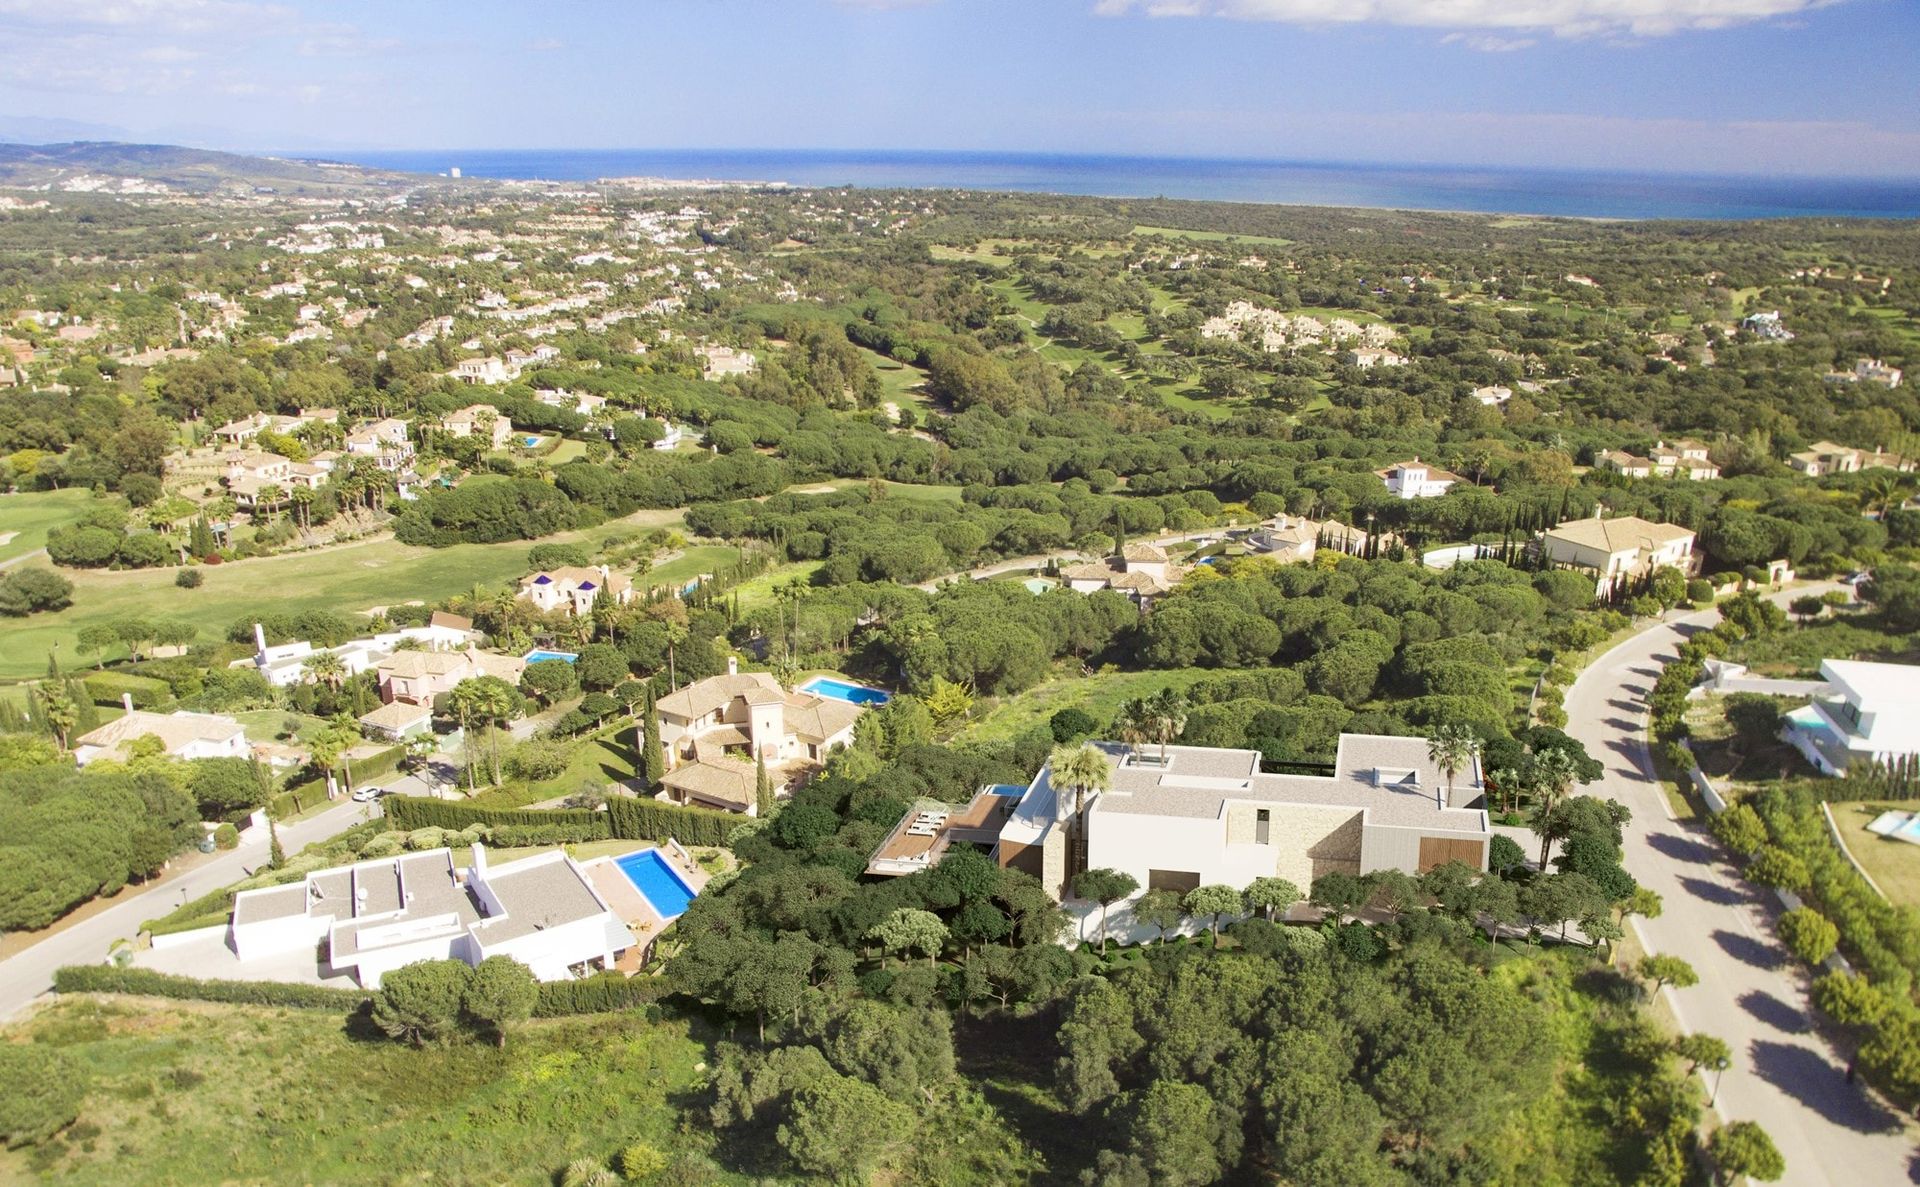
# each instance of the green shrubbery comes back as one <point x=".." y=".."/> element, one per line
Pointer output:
<point x="103" y="978"/>
<point x="107" y="688"/>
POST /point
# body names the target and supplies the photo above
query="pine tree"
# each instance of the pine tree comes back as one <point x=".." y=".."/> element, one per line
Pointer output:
<point x="762" y="787"/>
<point x="653" y="763"/>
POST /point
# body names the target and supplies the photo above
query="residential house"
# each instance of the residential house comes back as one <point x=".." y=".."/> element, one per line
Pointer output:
<point x="483" y="419"/>
<point x="1619" y="461"/>
<point x="1292" y="538"/>
<point x="417" y="677"/>
<point x="1767" y="326"/>
<point x="385" y="441"/>
<point x="1493" y="396"/>
<point x="376" y="916"/>
<point x="1867" y="715"/>
<point x="674" y="435"/>
<point x="1141" y="571"/>
<point x="1417" y="480"/>
<point x="485" y="371"/>
<point x="181" y="735"/>
<point x="929" y="828"/>
<point x="397" y="721"/>
<point x="1367" y="358"/>
<point x="575" y="588"/>
<point x="714" y="730"/>
<point x="1825" y="457"/>
<point x="285" y="664"/>
<point x="1626" y="546"/>
<point x="1867" y="371"/>
<point x="1195" y="815"/>
<point x="718" y="362"/>
<point x="1683" y="459"/>
<point x="245" y="429"/>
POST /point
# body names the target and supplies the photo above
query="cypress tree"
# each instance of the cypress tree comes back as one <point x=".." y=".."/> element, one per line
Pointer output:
<point x="762" y="787"/>
<point x="653" y="762"/>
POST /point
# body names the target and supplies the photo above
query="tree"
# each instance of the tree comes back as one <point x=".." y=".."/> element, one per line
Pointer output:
<point x="1741" y="1149"/>
<point x="1807" y="607"/>
<point x="1271" y="895"/>
<point x="1809" y="934"/>
<point x="1667" y="970"/>
<point x="1644" y="902"/>
<point x="1702" y="1051"/>
<point x="482" y="701"/>
<point x="1850" y="999"/>
<point x="840" y="1127"/>
<point x="1211" y="902"/>
<point x="41" y="1091"/>
<point x="601" y="666"/>
<point x="1450" y="748"/>
<point x="948" y="702"/>
<point x="1740" y="829"/>
<point x="1161" y="910"/>
<point x="1167" y="712"/>
<point x="1105" y="887"/>
<point x="653" y="762"/>
<point x="1171" y="1137"/>
<point x="30" y="591"/>
<point x="1780" y="868"/>
<point x="96" y="639"/>
<point x="1134" y="724"/>
<point x="1554" y="772"/>
<point x="324" y="667"/>
<point x="1071" y="725"/>
<point x="500" y="992"/>
<point x="60" y="712"/>
<point x="910" y="930"/>
<point x="420" y="1002"/>
<point x="763" y="801"/>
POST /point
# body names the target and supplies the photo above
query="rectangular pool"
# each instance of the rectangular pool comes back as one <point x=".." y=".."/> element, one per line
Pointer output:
<point x="540" y="653"/>
<point x="657" y="882"/>
<point x="840" y="690"/>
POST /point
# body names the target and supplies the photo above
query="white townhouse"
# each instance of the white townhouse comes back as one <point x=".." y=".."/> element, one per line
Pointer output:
<point x="1417" y="480"/>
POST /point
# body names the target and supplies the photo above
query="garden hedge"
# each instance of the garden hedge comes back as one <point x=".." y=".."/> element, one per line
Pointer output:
<point x="106" y="978"/>
<point x="106" y="688"/>
<point x="595" y="995"/>
<point x="408" y="812"/>
<point x="651" y="820"/>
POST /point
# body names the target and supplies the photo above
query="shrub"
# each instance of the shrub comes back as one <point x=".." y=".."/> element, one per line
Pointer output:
<point x="595" y="995"/>
<point x="103" y="978"/>
<point x="1808" y="934"/>
<point x="645" y="820"/>
<point x="188" y="578"/>
<point x="40" y="1093"/>
<point x="1700" y="591"/>
<point x="420" y="1002"/>
<point x="106" y="688"/>
<point x="641" y="1162"/>
<point x="1071" y="725"/>
<point x="226" y="837"/>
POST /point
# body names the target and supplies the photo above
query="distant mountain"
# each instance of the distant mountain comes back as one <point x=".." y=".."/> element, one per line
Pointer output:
<point x="188" y="170"/>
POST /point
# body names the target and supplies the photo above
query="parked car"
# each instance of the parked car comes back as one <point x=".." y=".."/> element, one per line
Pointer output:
<point x="366" y="795"/>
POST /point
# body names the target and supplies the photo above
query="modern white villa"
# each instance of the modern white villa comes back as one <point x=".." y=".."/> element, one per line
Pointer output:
<point x="285" y="664"/>
<point x="1870" y="712"/>
<point x="714" y="730"/>
<point x="1417" y="480"/>
<point x="375" y="916"/>
<point x="1204" y="815"/>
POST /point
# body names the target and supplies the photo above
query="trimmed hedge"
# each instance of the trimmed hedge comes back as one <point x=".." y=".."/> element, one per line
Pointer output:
<point x="651" y="820"/>
<point x="520" y="836"/>
<point x="106" y="687"/>
<point x="106" y="978"/>
<point x="408" y="812"/>
<point x="596" y="995"/>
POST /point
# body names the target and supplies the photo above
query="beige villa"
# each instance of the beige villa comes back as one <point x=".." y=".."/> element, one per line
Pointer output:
<point x="1626" y="546"/>
<point x="714" y="730"/>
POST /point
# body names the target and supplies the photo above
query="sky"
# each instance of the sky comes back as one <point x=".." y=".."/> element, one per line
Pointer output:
<point x="1799" y="87"/>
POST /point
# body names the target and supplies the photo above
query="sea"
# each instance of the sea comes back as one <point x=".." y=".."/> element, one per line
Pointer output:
<point x="1608" y="195"/>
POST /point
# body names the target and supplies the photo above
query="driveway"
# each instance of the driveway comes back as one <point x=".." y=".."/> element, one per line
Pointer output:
<point x="27" y="974"/>
<point x="1751" y="992"/>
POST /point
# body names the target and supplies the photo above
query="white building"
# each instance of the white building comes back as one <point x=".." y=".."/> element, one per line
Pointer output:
<point x="385" y="441"/>
<point x="1206" y="815"/>
<point x="1872" y="712"/>
<point x="575" y="588"/>
<point x="485" y="371"/>
<point x="1626" y="546"/>
<point x="1493" y="395"/>
<point x="376" y="916"/>
<point x="1417" y="480"/>
<point x="181" y="735"/>
<point x="285" y="664"/>
<point x="482" y="420"/>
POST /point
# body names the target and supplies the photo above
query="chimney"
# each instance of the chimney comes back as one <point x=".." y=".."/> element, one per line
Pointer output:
<point x="477" y="867"/>
<point x="733" y="665"/>
<point x="606" y="574"/>
<point x="126" y="701"/>
<point x="259" y="640"/>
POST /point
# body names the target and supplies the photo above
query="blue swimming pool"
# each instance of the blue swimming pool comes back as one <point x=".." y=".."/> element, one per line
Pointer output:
<point x="657" y="882"/>
<point x="540" y="653"/>
<point x="840" y="690"/>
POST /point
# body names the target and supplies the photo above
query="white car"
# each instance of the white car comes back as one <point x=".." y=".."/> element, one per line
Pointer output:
<point x="366" y="795"/>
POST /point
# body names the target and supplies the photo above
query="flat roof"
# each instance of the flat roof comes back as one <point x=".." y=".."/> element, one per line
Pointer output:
<point x="538" y="893"/>
<point x="1879" y="684"/>
<point x="275" y="902"/>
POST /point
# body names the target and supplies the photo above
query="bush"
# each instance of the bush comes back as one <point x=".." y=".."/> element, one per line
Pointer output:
<point x="595" y="995"/>
<point x="106" y="688"/>
<point x="1808" y="934"/>
<point x="29" y="591"/>
<point x="188" y="579"/>
<point x="516" y="836"/>
<point x="226" y="837"/>
<point x="1071" y="725"/>
<point x="410" y="812"/>
<point x="41" y="1090"/>
<point x="647" y="820"/>
<point x="537" y="759"/>
<point x="103" y="978"/>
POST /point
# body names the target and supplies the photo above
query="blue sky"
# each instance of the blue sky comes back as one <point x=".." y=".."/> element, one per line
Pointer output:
<point x="1766" y="86"/>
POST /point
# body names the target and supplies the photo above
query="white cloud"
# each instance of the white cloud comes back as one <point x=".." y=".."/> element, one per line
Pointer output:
<point x="1487" y="43"/>
<point x="546" y="45"/>
<point x="1563" y="18"/>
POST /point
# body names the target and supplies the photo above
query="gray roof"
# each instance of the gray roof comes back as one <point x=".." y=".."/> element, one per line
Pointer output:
<point x="280" y="902"/>
<point x="1390" y="778"/>
<point x="537" y="894"/>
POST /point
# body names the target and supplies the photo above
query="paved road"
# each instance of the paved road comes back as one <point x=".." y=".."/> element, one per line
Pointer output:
<point x="1751" y="993"/>
<point x="28" y="974"/>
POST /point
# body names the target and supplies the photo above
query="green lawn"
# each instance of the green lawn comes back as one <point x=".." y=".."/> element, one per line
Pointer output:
<point x="194" y="1093"/>
<point x="1100" y="696"/>
<point x="29" y="516"/>
<point x="1893" y="864"/>
<point x="752" y="592"/>
<point x="349" y="578"/>
<point x="692" y="561"/>
<point x="1212" y="236"/>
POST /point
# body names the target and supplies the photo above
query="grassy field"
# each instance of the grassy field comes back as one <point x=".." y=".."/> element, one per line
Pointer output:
<point x="1893" y="864"/>
<point x="27" y="518"/>
<point x="351" y="577"/>
<point x="192" y="1093"/>
<point x="752" y="592"/>
<point x="694" y="560"/>
<point x="1212" y="236"/>
<point x="1100" y="696"/>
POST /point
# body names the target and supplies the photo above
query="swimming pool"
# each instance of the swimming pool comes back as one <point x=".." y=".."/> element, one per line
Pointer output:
<point x="840" y="690"/>
<point x="657" y="882"/>
<point x="540" y="653"/>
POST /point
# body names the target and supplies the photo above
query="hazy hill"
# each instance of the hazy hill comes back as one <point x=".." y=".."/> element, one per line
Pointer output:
<point x="188" y="170"/>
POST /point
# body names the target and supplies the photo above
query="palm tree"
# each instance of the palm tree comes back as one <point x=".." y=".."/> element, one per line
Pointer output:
<point x="1134" y="724"/>
<point x="1450" y="748"/>
<point x="1508" y="781"/>
<point x="324" y="667"/>
<point x="1168" y="715"/>
<point x="1553" y="774"/>
<point x="1081" y="768"/>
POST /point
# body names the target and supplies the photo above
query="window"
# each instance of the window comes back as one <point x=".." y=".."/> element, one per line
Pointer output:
<point x="1180" y="880"/>
<point x="1262" y="822"/>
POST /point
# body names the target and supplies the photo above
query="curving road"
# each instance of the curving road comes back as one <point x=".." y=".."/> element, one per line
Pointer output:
<point x="1751" y="992"/>
<point x="28" y="973"/>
